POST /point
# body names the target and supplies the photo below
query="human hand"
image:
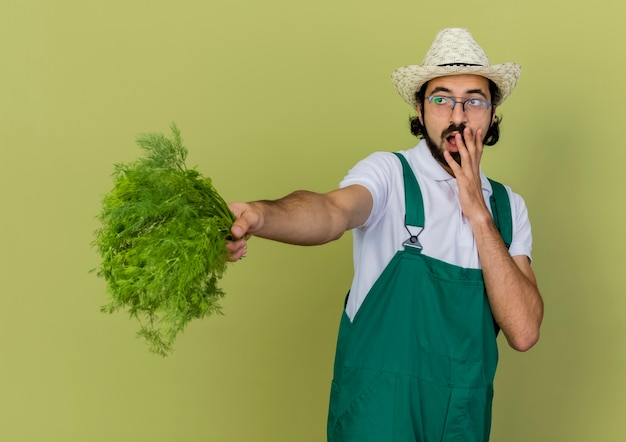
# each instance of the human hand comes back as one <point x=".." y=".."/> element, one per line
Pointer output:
<point x="467" y="173"/>
<point x="238" y="246"/>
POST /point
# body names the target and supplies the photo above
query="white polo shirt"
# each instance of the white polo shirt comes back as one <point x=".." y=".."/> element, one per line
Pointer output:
<point x="447" y="234"/>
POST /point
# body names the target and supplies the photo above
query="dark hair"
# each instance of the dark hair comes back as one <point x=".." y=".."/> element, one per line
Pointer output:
<point x="493" y="134"/>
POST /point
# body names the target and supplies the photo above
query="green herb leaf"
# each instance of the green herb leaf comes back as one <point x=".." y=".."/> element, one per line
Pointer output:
<point x="162" y="241"/>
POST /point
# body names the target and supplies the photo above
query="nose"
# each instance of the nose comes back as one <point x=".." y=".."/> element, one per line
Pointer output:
<point x="458" y="114"/>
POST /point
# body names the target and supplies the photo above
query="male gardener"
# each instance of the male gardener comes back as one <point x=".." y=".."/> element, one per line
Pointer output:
<point x="441" y="259"/>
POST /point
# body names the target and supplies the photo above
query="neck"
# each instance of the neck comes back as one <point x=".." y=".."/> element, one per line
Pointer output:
<point x="438" y="156"/>
<point x="446" y="168"/>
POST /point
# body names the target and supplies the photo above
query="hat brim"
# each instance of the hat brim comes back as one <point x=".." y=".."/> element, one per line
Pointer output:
<point x="409" y="79"/>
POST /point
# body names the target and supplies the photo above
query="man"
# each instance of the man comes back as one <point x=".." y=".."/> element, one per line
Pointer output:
<point x="434" y="280"/>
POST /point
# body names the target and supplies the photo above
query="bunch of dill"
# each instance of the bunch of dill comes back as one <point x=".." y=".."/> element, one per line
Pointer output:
<point x="162" y="241"/>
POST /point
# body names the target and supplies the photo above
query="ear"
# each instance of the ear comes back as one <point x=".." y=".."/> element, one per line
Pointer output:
<point x="493" y="115"/>
<point x="420" y="116"/>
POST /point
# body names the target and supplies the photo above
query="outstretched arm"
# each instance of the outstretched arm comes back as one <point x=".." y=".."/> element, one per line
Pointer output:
<point x="302" y="217"/>
<point x="510" y="281"/>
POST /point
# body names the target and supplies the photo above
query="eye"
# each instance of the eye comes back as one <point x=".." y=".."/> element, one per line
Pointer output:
<point x="438" y="99"/>
<point x="475" y="102"/>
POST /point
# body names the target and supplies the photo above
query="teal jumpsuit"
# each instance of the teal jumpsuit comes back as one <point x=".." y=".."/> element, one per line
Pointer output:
<point x="418" y="360"/>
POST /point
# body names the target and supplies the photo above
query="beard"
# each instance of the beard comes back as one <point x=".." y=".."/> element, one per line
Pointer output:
<point x="437" y="151"/>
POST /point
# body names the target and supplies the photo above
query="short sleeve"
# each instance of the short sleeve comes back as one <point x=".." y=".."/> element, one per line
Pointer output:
<point x="376" y="173"/>
<point x="522" y="240"/>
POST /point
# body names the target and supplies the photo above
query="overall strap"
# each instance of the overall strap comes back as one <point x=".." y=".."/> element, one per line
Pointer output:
<point x="501" y="209"/>
<point x="412" y="195"/>
<point x="499" y="200"/>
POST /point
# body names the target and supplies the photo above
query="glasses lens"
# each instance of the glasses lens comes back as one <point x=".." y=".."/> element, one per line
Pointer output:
<point x="442" y="106"/>
<point x="475" y="106"/>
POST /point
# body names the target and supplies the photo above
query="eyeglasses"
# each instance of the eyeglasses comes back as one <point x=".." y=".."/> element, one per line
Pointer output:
<point x="443" y="105"/>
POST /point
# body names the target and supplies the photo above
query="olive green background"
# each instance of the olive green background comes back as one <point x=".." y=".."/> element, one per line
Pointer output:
<point x="272" y="96"/>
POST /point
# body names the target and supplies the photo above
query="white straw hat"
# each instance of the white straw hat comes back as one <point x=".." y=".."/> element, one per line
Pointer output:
<point x="454" y="52"/>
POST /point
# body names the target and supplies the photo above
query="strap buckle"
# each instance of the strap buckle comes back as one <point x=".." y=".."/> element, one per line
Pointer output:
<point x="413" y="240"/>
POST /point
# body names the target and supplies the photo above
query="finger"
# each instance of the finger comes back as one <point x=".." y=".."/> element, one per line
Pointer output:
<point x="234" y="246"/>
<point x="469" y="138"/>
<point x="479" y="140"/>
<point x="462" y="140"/>
<point x="239" y="229"/>
<point x="461" y="145"/>
<point x="236" y="249"/>
<point x="452" y="163"/>
<point x="471" y="150"/>
<point x="237" y="256"/>
<point x="478" y="145"/>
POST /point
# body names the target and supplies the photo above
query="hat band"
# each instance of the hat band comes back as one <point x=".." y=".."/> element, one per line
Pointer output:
<point x="459" y="64"/>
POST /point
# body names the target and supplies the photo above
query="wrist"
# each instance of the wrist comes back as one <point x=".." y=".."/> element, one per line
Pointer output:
<point x="481" y="219"/>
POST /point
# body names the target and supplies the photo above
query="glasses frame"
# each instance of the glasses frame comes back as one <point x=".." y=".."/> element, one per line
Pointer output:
<point x="457" y="100"/>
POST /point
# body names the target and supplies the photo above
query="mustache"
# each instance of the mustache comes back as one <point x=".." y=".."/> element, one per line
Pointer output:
<point x="460" y="128"/>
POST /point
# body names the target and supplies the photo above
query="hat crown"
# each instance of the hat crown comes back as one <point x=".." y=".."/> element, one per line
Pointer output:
<point x="455" y="47"/>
